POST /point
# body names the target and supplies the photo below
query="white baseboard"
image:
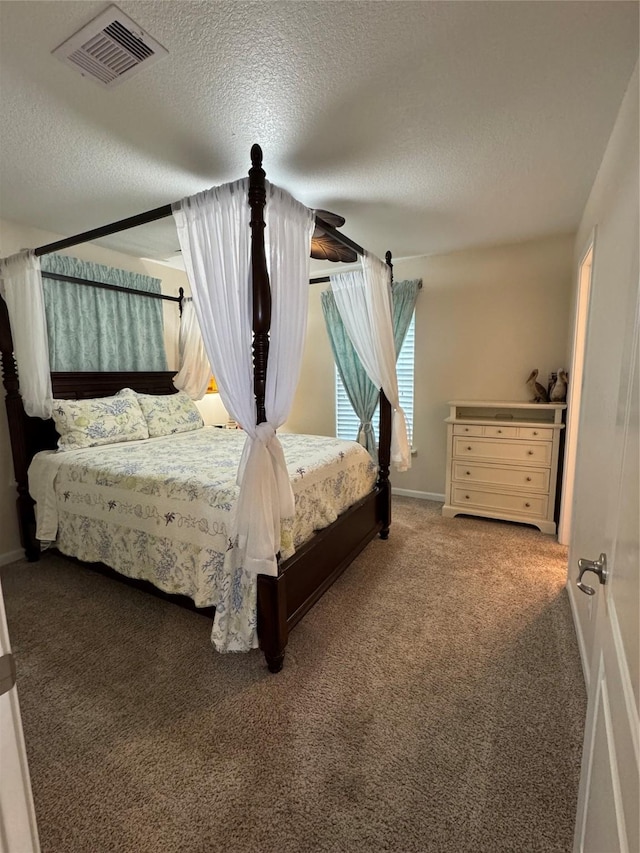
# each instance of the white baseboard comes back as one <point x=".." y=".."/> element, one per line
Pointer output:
<point x="11" y="556"/>
<point x="423" y="496"/>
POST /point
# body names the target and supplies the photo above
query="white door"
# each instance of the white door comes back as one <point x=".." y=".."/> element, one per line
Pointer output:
<point x="608" y="812"/>
<point x="18" y="830"/>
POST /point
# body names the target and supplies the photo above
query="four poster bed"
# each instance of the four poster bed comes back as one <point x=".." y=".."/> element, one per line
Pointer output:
<point x="303" y="577"/>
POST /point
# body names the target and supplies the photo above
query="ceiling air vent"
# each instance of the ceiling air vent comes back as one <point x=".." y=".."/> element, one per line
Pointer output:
<point x="110" y="49"/>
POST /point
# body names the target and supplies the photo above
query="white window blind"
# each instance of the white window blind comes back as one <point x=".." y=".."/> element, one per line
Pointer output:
<point x="347" y="424"/>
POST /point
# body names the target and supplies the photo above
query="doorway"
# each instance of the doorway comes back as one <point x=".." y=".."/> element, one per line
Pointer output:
<point x="574" y="393"/>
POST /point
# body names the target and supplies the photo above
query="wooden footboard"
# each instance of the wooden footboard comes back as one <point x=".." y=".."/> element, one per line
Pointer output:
<point x="308" y="574"/>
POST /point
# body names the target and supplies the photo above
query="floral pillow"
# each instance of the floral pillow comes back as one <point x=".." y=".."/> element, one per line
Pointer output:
<point x="169" y="413"/>
<point x="102" y="420"/>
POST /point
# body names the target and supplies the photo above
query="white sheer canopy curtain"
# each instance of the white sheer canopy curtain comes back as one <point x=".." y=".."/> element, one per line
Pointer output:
<point x="21" y="288"/>
<point x="215" y="237"/>
<point x="195" y="370"/>
<point x="363" y="298"/>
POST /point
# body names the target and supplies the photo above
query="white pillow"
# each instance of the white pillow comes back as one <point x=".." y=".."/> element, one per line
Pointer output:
<point x="101" y="420"/>
<point x="170" y="413"/>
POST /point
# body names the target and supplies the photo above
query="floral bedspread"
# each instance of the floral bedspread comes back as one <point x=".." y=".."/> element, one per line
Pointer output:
<point x="162" y="509"/>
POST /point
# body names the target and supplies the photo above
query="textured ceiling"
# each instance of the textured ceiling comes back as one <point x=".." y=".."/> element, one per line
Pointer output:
<point x="431" y="126"/>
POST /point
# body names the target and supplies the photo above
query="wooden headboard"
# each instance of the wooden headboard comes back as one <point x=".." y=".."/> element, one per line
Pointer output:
<point x="30" y="435"/>
<point x="86" y="385"/>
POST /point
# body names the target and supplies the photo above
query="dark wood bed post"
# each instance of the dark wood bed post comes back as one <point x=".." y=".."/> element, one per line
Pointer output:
<point x="261" y="289"/>
<point x="384" y="449"/>
<point x="272" y="607"/>
<point x="19" y="434"/>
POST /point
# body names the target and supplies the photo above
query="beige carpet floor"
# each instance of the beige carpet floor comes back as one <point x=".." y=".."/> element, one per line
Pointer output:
<point x="432" y="701"/>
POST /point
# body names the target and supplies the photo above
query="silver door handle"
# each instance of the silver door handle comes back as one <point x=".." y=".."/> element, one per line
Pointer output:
<point x="598" y="567"/>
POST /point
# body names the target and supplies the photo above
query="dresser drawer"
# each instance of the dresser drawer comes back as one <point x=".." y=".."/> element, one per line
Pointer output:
<point x="536" y="433"/>
<point x="531" y="479"/>
<point x="500" y="431"/>
<point x="526" y="505"/>
<point x="525" y="452"/>
<point x="459" y="429"/>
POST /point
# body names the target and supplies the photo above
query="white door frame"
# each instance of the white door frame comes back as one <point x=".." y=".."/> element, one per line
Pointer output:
<point x="574" y="391"/>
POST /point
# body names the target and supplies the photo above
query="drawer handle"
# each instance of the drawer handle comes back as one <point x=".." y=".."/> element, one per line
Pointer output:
<point x="527" y="505"/>
<point x="530" y="452"/>
<point x="466" y="497"/>
<point x="535" y="432"/>
<point x="468" y="448"/>
<point x="466" y="429"/>
<point x="528" y="479"/>
<point x="468" y="473"/>
<point x="499" y="431"/>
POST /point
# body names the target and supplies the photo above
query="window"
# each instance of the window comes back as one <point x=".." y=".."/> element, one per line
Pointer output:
<point x="346" y="421"/>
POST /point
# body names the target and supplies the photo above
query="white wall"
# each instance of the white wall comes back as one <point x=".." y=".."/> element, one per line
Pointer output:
<point x="13" y="238"/>
<point x="314" y="406"/>
<point x="484" y="319"/>
<point x="612" y="210"/>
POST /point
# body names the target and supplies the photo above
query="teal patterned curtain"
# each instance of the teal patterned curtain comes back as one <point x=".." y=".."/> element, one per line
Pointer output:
<point x="404" y="295"/>
<point x="94" y="329"/>
<point x="362" y="393"/>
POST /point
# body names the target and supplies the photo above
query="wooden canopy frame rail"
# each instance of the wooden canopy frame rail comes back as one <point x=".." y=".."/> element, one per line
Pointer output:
<point x="304" y="577"/>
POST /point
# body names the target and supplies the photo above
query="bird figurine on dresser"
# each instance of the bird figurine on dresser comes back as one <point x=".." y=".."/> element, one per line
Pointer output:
<point x="558" y="392"/>
<point x="539" y="394"/>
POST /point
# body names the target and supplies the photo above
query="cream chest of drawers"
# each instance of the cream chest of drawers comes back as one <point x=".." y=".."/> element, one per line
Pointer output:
<point x="502" y="460"/>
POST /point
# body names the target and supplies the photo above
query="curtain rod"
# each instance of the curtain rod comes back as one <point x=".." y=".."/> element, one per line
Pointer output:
<point x="180" y="299"/>
<point x="120" y="288"/>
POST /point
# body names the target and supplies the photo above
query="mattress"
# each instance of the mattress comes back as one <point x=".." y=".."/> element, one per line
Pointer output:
<point x="162" y="509"/>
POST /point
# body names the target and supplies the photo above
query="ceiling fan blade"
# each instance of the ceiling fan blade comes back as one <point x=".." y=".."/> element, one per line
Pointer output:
<point x="325" y="248"/>
<point x="333" y="219"/>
